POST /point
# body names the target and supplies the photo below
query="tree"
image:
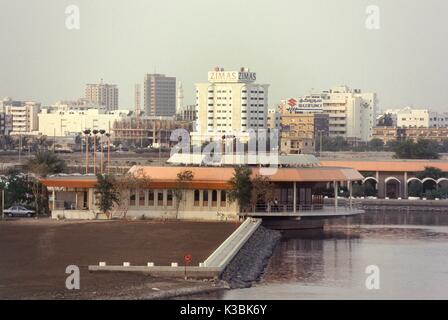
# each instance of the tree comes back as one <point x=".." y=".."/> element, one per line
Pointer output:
<point x="430" y="172"/>
<point x="183" y="178"/>
<point x="128" y="182"/>
<point x="17" y="189"/>
<point x="107" y="193"/>
<point x="43" y="164"/>
<point x="241" y="187"/>
<point x="262" y="191"/>
<point x="422" y="149"/>
<point x="376" y="144"/>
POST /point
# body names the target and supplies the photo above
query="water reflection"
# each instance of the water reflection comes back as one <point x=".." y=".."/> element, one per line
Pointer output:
<point x="411" y="250"/>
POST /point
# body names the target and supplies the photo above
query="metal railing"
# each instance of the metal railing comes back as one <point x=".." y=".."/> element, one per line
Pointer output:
<point x="68" y="205"/>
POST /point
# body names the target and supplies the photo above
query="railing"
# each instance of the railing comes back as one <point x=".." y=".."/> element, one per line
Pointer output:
<point x="289" y="207"/>
<point x="67" y="205"/>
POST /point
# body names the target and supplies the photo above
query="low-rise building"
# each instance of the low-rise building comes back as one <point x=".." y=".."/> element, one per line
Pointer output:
<point x="299" y="131"/>
<point x="57" y="122"/>
<point x="155" y="130"/>
<point x="409" y="117"/>
<point x="297" y="190"/>
<point x="387" y="134"/>
<point x="23" y="115"/>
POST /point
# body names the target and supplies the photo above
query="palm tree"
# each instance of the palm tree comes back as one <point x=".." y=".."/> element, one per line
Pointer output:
<point x="43" y="164"/>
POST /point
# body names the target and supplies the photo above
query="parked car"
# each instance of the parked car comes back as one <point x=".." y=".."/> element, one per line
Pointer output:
<point x="19" y="211"/>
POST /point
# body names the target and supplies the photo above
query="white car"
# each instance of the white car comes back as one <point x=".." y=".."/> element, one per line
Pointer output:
<point x="19" y="211"/>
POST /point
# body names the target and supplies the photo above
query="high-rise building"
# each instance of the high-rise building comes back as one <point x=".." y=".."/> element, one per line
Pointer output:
<point x="23" y="114"/>
<point x="352" y="112"/>
<point x="180" y="98"/>
<point x="230" y="101"/>
<point x="159" y="95"/>
<point x="103" y="94"/>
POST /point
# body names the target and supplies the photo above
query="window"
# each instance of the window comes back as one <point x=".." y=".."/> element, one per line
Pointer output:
<point x="169" y="198"/>
<point x="160" y="198"/>
<point x="223" y="198"/>
<point x="205" y="198"/>
<point x="214" y="198"/>
<point x="196" y="198"/>
<point x="141" y="198"/>
<point x="151" y="198"/>
<point x="132" y="198"/>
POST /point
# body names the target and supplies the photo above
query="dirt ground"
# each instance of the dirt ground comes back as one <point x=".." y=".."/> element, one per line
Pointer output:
<point x="34" y="255"/>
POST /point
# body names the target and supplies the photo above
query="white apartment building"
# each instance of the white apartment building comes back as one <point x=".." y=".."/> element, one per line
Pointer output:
<point x="23" y="115"/>
<point x="71" y="122"/>
<point x="418" y="118"/>
<point x="352" y="112"/>
<point x="230" y="101"/>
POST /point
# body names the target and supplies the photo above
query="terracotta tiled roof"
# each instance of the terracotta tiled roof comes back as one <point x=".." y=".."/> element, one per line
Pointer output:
<point x="388" y="166"/>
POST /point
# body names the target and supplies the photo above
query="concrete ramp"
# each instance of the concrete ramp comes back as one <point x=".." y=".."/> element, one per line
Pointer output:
<point x="230" y="247"/>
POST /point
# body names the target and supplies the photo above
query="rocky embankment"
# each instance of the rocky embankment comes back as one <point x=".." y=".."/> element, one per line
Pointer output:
<point x="249" y="263"/>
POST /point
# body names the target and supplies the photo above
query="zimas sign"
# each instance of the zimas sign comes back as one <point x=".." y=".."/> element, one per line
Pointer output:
<point x="231" y="76"/>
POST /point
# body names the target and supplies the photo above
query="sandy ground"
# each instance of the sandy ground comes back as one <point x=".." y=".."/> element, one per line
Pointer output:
<point x="35" y="253"/>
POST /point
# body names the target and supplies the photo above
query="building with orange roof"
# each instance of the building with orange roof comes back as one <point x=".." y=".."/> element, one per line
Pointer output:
<point x="296" y="189"/>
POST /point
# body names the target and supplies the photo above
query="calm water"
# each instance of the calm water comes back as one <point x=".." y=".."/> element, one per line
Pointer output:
<point x="410" y="249"/>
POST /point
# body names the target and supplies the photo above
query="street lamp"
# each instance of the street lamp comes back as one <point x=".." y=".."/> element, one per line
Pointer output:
<point x="102" y="132"/>
<point x="87" y="134"/>
<point x="94" y="132"/>
<point x="108" y="152"/>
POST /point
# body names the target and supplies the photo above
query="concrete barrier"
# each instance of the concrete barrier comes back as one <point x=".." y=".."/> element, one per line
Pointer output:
<point x="230" y="247"/>
<point x="164" y="271"/>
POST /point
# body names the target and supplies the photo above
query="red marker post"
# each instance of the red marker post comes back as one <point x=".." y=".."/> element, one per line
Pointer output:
<point x="187" y="260"/>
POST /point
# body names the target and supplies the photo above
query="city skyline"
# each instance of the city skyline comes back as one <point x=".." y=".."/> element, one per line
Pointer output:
<point x="296" y="47"/>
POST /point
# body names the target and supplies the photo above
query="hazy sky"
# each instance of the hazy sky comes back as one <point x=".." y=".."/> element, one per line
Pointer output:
<point x="292" y="45"/>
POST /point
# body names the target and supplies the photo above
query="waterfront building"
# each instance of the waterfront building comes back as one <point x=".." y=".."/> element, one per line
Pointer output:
<point x="298" y="185"/>
<point x="70" y="122"/>
<point x="391" y="179"/>
<point x="230" y="101"/>
<point x="102" y="94"/>
<point x="22" y="114"/>
<point x="352" y="113"/>
<point x="159" y="95"/>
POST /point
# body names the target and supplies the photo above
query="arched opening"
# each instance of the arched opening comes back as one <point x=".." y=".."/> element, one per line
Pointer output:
<point x="370" y="187"/>
<point x="392" y="188"/>
<point x="429" y="185"/>
<point x="442" y="184"/>
<point x="415" y="187"/>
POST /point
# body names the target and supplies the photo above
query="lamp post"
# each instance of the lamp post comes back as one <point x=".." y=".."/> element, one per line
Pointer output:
<point x="94" y="132"/>
<point x="102" y="132"/>
<point x="87" y="134"/>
